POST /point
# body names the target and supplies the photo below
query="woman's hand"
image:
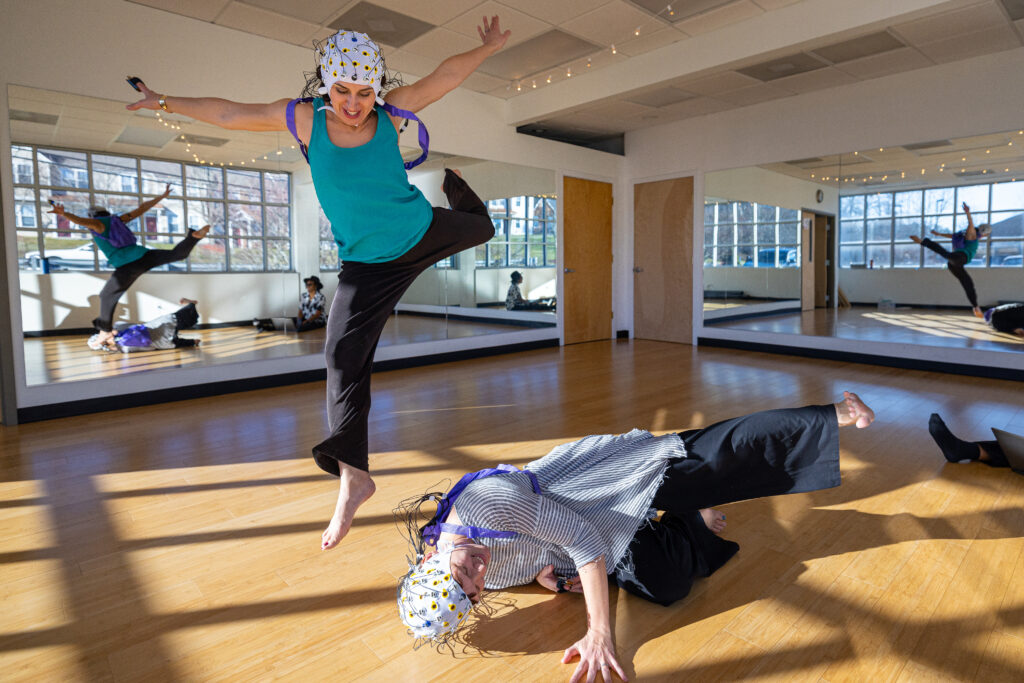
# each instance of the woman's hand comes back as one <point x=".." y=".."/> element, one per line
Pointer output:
<point x="167" y="192"/>
<point x="150" y="100"/>
<point x="967" y="209"/>
<point x="56" y="208"/>
<point x="547" y="578"/>
<point x="491" y="34"/>
<point x="597" y="655"/>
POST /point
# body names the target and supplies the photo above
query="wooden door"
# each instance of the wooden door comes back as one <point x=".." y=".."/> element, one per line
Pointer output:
<point x="587" y="260"/>
<point x="806" y="261"/>
<point x="663" y="260"/>
<point x="820" y="261"/>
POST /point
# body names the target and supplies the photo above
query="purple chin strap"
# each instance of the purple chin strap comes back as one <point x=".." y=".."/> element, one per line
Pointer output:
<point x="424" y="137"/>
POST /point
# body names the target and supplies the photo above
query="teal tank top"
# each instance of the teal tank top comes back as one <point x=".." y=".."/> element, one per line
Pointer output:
<point x="116" y="257"/>
<point x="376" y="214"/>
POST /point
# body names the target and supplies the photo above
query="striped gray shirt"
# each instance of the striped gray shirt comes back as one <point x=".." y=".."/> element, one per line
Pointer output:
<point x="596" y="492"/>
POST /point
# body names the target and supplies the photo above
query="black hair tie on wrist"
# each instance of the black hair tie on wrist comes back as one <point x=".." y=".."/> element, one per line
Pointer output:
<point x="561" y="586"/>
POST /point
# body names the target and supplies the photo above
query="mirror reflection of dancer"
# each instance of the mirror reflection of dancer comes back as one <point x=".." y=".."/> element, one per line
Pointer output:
<point x="129" y="259"/>
<point x="965" y="246"/>
<point x="386" y="230"/>
<point x="1007" y="318"/>
<point x="580" y="514"/>
<point x="159" y="333"/>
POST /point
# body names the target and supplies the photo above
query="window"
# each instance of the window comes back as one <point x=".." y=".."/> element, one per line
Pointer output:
<point x="249" y="211"/>
<point x="875" y="229"/>
<point x="525" y="233"/>
<point x="328" y="247"/>
<point x="748" y="234"/>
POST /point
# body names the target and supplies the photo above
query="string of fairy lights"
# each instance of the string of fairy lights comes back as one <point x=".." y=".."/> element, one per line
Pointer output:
<point x="198" y="158"/>
<point x="966" y="162"/>
<point x="582" y="64"/>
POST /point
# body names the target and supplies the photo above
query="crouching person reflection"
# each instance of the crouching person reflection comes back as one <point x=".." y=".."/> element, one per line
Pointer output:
<point x="312" y="306"/>
<point x="159" y="333"/>
<point x="581" y="514"/>
<point x="514" y="300"/>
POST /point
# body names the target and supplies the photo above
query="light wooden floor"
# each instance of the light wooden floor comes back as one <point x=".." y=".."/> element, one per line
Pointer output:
<point x="68" y="358"/>
<point x="927" y="326"/>
<point x="181" y="542"/>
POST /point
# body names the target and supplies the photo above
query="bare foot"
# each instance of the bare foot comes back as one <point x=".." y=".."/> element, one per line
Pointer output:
<point x="978" y="313"/>
<point x="915" y="238"/>
<point x="355" y="488"/>
<point x="456" y="171"/>
<point x="852" y="410"/>
<point x="714" y="519"/>
<point x="201" y="232"/>
<point x="184" y="301"/>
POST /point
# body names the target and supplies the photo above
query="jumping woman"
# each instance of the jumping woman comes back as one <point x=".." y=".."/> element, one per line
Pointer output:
<point x="965" y="246"/>
<point x="386" y="230"/>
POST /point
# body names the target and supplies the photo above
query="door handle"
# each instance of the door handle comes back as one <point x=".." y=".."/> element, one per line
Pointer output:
<point x="570" y="270"/>
<point x="637" y="269"/>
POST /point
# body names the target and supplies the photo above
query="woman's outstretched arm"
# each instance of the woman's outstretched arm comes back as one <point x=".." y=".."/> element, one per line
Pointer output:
<point x="91" y="223"/>
<point x="451" y="72"/>
<point x="218" y="111"/>
<point x="596" y="649"/>
<point x="145" y="206"/>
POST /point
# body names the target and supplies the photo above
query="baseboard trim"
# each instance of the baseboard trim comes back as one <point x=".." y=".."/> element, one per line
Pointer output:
<point x="869" y="359"/>
<point x="108" y="403"/>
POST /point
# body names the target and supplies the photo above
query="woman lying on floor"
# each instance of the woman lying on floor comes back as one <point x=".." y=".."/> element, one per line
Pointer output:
<point x="159" y="333"/>
<point x="584" y="512"/>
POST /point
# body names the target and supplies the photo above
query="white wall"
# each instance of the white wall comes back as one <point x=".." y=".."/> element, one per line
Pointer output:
<point x="753" y="184"/>
<point x="930" y="286"/>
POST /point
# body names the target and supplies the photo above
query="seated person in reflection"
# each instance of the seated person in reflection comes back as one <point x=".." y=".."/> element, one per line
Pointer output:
<point x="584" y="513"/>
<point x="159" y="333"/>
<point x="965" y="246"/>
<point x="955" y="449"/>
<point x="1007" y="318"/>
<point x="514" y="300"/>
<point x="312" y="306"/>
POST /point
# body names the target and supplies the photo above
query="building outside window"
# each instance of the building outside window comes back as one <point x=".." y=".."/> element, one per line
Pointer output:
<point x="875" y="228"/>
<point x="249" y="210"/>
<point x="525" y="233"/>
<point x="748" y="234"/>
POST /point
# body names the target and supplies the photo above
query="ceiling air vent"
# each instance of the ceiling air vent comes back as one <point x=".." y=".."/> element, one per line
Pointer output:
<point x="34" y="117"/>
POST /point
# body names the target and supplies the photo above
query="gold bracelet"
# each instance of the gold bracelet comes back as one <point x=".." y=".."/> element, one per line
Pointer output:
<point x="163" y="103"/>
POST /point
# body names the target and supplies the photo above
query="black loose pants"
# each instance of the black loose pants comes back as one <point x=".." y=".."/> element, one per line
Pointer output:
<point x="367" y="294"/>
<point x="955" y="262"/>
<point x="769" y="453"/>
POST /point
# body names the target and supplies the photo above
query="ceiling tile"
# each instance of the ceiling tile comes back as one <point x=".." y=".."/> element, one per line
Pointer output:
<point x="440" y="43"/>
<point x="547" y="51"/>
<point x="504" y="92"/>
<point x="522" y="26"/>
<point x="884" y="64"/>
<point x="717" y="83"/>
<point x="855" y="48"/>
<point x="610" y="24"/>
<point x="205" y="10"/>
<point x="963" y="46"/>
<point x="264" y="23"/>
<point x="699" y="106"/>
<point x="407" y="63"/>
<point x="659" y="97"/>
<point x="683" y="10"/>
<point x="769" y="5"/>
<point x="617" y="110"/>
<point x="312" y="11"/>
<point x="436" y="12"/>
<point x="781" y="67"/>
<point x="483" y="83"/>
<point x="720" y="18"/>
<point x="557" y="12"/>
<point x="382" y="24"/>
<point x="948" y="24"/>
<point x="651" y="41"/>
<point x="815" y="80"/>
<point x="754" y="94"/>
